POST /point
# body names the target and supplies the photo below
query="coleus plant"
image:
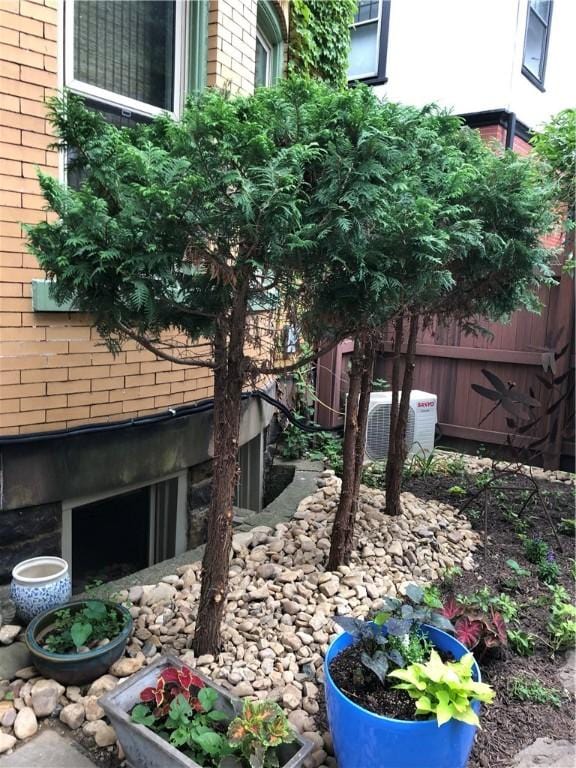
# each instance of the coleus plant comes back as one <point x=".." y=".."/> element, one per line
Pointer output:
<point x="182" y="709"/>
<point x="474" y="627"/>
<point x="173" y="682"/>
<point x="394" y="638"/>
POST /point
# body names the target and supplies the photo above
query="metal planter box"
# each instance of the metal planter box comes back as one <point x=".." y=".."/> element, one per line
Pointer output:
<point x="145" y="749"/>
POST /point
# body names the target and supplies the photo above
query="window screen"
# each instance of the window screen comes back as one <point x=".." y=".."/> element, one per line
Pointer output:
<point x="126" y="47"/>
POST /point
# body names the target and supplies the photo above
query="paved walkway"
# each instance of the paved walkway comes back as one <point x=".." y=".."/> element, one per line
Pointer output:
<point x="47" y="750"/>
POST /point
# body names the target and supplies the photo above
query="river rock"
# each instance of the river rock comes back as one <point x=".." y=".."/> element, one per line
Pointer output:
<point x="103" y="684"/>
<point x="73" y="715"/>
<point x="7" y="742"/>
<point x="45" y="696"/>
<point x="25" y="724"/>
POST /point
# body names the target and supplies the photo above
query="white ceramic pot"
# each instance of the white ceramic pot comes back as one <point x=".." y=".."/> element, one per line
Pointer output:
<point x="38" y="584"/>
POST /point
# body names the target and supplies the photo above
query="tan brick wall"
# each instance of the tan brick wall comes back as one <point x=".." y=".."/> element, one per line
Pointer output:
<point x="54" y="370"/>
<point x="232" y="42"/>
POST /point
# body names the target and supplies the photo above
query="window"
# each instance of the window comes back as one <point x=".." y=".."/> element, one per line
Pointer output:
<point x="269" y="46"/>
<point x="125" y="53"/>
<point x="536" y="41"/>
<point x="263" y="75"/>
<point x="95" y="530"/>
<point x="369" y="42"/>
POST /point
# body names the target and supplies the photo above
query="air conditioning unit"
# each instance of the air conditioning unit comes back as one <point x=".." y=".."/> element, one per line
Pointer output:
<point x="420" y="429"/>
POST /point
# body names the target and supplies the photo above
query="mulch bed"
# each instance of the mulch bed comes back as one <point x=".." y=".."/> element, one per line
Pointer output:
<point x="509" y="725"/>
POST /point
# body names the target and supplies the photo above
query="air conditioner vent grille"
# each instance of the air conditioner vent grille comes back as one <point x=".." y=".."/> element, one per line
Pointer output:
<point x="378" y="431"/>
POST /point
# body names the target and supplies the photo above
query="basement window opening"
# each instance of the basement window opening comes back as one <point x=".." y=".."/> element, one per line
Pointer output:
<point x="107" y="537"/>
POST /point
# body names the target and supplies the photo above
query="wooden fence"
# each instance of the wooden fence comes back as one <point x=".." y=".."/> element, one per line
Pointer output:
<point x="449" y="362"/>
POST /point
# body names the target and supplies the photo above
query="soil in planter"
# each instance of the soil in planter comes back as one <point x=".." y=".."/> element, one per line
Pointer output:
<point x="366" y="690"/>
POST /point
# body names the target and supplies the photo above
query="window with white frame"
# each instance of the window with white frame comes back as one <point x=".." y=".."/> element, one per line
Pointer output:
<point x="536" y="40"/>
<point x="263" y="75"/>
<point x="125" y="54"/>
<point x="368" y="42"/>
<point x="269" y="45"/>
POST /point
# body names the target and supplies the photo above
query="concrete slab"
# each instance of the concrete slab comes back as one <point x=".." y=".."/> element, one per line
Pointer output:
<point x="12" y="658"/>
<point x="49" y="750"/>
<point x="545" y="753"/>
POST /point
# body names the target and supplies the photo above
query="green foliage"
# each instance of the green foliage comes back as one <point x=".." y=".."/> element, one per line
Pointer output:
<point x="567" y="526"/>
<point x="562" y="622"/>
<point x="457" y="490"/>
<point x="295" y="442"/>
<point x="260" y="728"/>
<point x="374" y="474"/>
<point x="517" y="569"/>
<point x="548" y="570"/>
<point x="535" y="550"/>
<point x="402" y="641"/>
<point x="522" y="643"/>
<point x="555" y="144"/>
<point x="483" y="599"/>
<point x="527" y="689"/>
<point x="182" y="709"/>
<point x="320" y="38"/>
<point x="449" y="575"/>
<point x="445" y="690"/>
<point x="86" y="626"/>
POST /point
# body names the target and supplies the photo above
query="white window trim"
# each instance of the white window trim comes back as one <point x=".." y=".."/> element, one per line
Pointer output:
<point x="181" y="516"/>
<point x="115" y="99"/>
<point x="357" y="24"/>
<point x="268" y="48"/>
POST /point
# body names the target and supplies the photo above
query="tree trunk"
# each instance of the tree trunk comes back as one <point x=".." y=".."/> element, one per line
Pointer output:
<point x="342" y="517"/>
<point x="392" y="459"/>
<point x="369" y="357"/>
<point x="397" y="456"/>
<point x="228" y="381"/>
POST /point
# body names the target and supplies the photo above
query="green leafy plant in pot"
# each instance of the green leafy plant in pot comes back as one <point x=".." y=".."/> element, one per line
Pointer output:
<point x="78" y="641"/>
<point x="402" y="680"/>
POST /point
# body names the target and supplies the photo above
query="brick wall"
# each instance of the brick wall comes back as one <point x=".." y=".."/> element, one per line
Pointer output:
<point x="54" y="370"/>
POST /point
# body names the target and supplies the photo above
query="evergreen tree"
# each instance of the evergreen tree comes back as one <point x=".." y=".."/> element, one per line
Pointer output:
<point x="195" y="238"/>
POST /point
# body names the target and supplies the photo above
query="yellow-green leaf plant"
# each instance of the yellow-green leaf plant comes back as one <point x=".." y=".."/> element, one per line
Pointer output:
<point x="446" y="690"/>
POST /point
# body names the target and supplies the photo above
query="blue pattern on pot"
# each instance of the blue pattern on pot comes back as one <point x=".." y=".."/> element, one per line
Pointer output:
<point x="38" y="584"/>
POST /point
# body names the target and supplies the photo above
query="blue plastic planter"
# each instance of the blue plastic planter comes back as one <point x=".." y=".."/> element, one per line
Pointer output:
<point x="363" y="739"/>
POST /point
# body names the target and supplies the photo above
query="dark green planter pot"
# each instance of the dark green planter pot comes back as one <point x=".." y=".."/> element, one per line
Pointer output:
<point x="74" y="668"/>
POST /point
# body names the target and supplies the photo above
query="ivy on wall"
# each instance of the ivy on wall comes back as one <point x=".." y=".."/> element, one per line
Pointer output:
<point x="320" y="38"/>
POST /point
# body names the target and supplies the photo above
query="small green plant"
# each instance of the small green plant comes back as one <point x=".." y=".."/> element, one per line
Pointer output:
<point x="383" y="650"/>
<point x="427" y="465"/>
<point x="374" y="475"/>
<point x="260" y="728"/>
<point x="483" y="479"/>
<point x="512" y="582"/>
<point x="93" y="585"/>
<point x="457" y="490"/>
<point x="522" y="643"/>
<point x="567" y="526"/>
<point x="455" y="465"/>
<point x="517" y="569"/>
<point x="449" y="576"/>
<point x="535" y="550"/>
<point x="445" y="690"/>
<point x="548" y="569"/>
<point x="562" y="623"/>
<point x="526" y="689"/>
<point x="83" y="628"/>
<point x="294" y="442"/>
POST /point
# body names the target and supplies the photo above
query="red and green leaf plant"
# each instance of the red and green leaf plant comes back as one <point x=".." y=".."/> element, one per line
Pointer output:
<point x="171" y="683"/>
<point x="476" y="628"/>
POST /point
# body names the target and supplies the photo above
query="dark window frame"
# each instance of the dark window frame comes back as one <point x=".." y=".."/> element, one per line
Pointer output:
<point x="537" y="81"/>
<point x="380" y="77"/>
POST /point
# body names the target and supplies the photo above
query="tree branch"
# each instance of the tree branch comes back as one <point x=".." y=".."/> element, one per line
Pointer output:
<point x="147" y="344"/>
